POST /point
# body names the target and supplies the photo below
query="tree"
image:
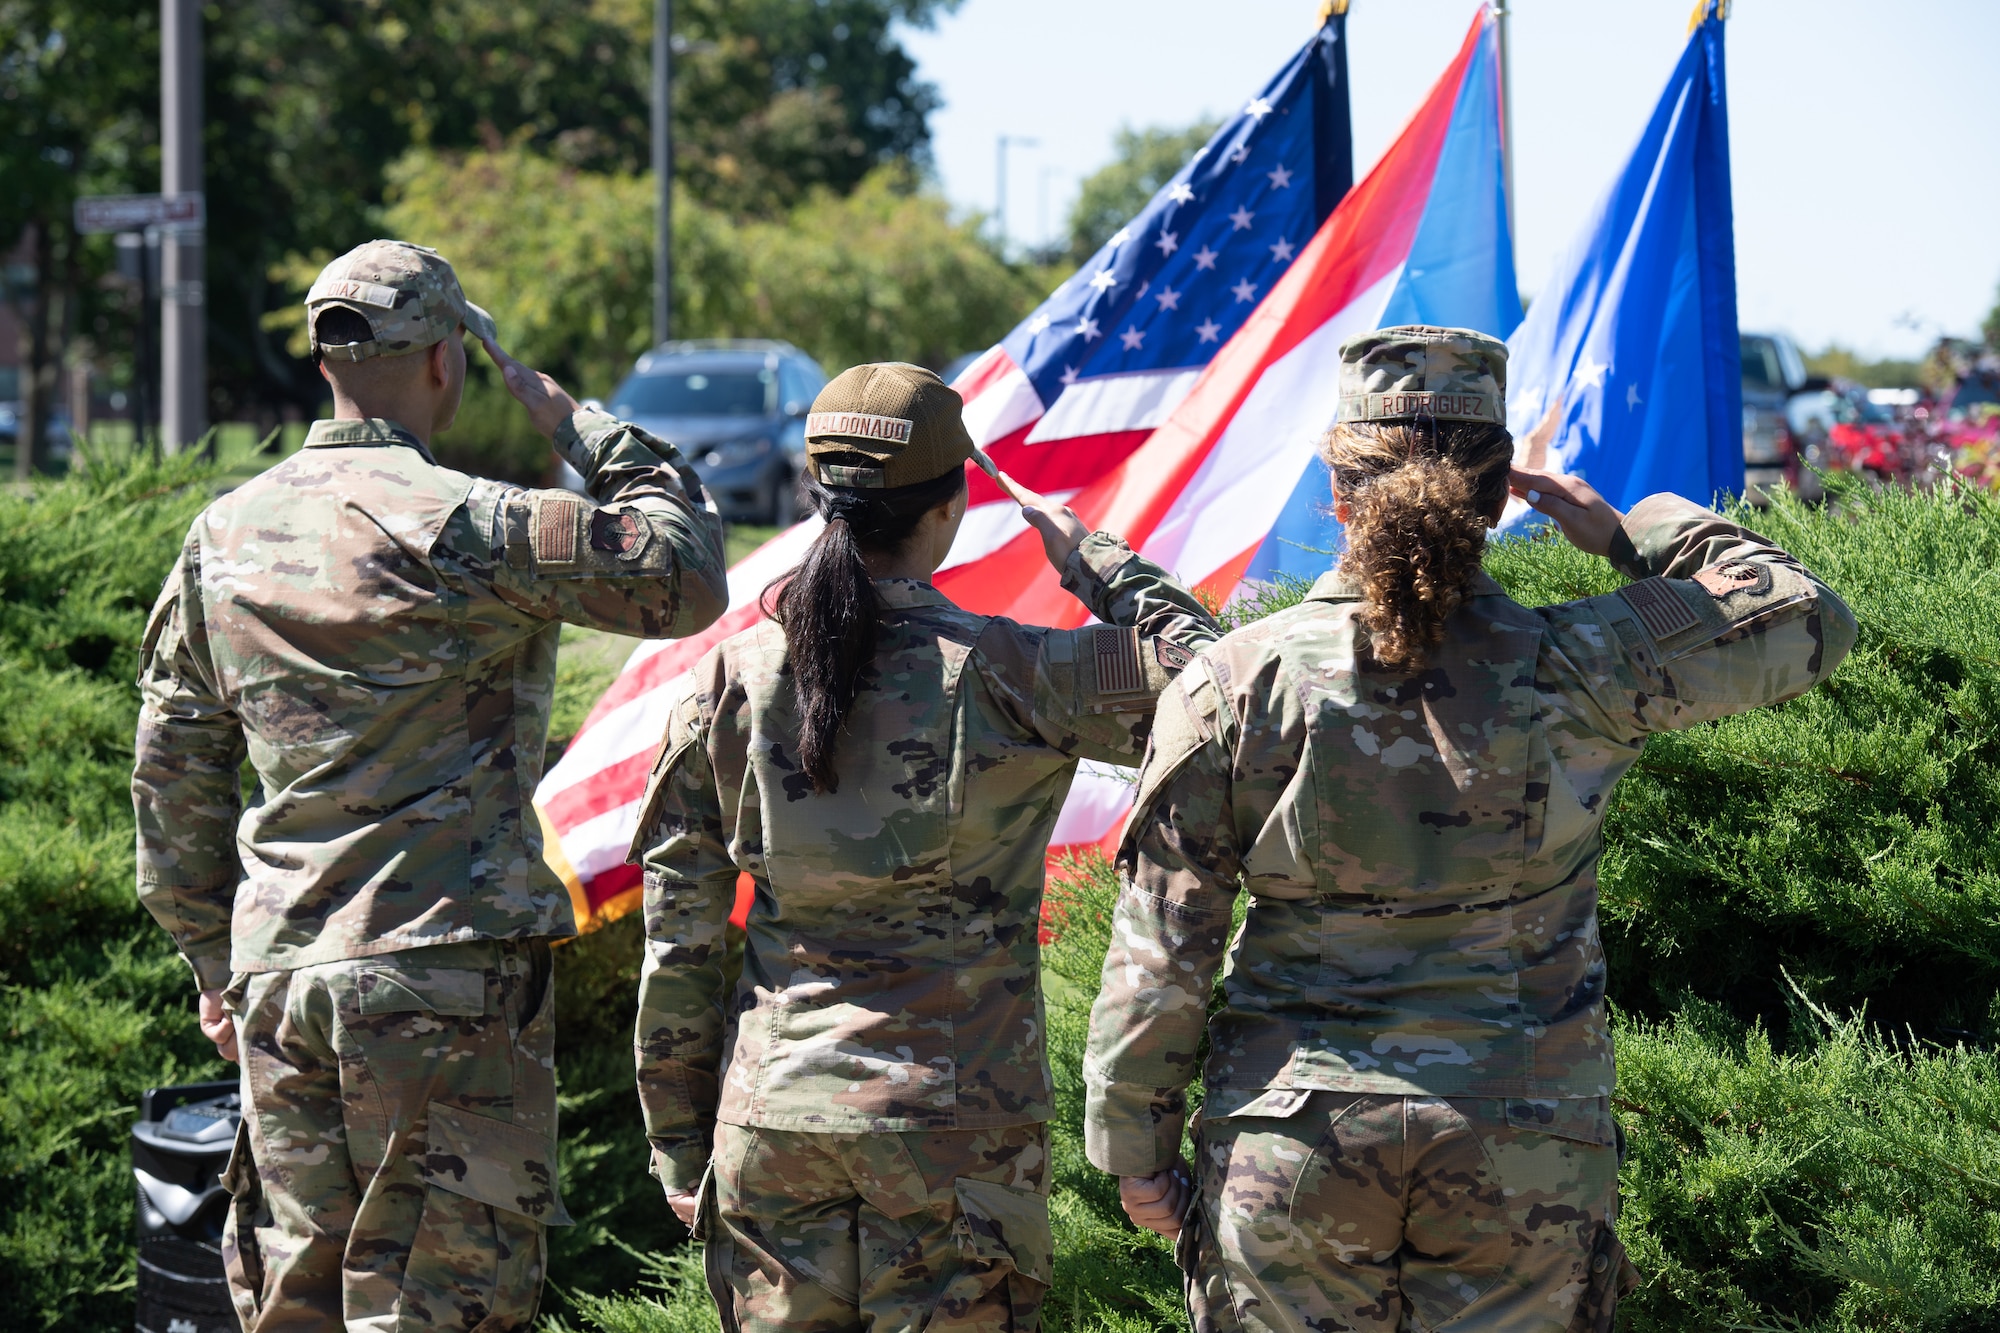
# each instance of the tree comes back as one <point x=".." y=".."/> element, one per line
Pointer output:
<point x="309" y="103"/>
<point x="564" y="259"/>
<point x="1144" y="161"/>
<point x="74" y="84"/>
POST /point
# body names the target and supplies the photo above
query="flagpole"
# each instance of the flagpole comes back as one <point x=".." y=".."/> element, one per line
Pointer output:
<point x="1500" y="13"/>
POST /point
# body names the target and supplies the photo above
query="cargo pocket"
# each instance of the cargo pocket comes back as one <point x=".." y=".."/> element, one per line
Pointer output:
<point x="490" y="1186"/>
<point x="241" y="1260"/>
<point x="1612" y="1278"/>
<point x="1005" y="1230"/>
<point x="495" y="1162"/>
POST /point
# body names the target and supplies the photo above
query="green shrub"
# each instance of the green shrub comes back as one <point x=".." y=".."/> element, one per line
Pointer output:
<point x="94" y="1005"/>
<point x="1799" y="905"/>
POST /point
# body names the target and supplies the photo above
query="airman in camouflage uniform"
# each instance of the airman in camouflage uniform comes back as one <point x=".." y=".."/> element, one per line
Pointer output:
<point x="378" y="634"/>
<point x="879" y="1074"/>
<point x="1406" y="1119"/>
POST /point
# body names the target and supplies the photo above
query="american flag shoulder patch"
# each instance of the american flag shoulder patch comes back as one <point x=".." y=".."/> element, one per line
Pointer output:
<point x="1118" y="668"/>
<point x="554" y="534"/>
<point x="1661" y="610"/>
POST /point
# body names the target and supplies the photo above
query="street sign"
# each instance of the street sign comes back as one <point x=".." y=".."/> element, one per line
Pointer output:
<point x="136" y="212"/>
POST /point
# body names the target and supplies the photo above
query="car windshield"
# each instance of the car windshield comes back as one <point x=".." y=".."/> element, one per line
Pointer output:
<point x="1760" y="364"/>
<point x="694" y="393"/>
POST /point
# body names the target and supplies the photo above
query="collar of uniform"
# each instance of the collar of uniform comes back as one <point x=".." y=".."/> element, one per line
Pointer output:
<point x="1334" y="586"/>
<point x="909" y="592"/>
<point x="371" y="430"/>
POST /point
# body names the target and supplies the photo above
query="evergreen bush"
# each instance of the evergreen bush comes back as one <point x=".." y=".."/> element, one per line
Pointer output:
<point x="1800" y="906"/>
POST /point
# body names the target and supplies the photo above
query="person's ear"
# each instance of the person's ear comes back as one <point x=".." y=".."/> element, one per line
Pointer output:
<point x="1342" y="511"/>
<point x="440" y="363"/>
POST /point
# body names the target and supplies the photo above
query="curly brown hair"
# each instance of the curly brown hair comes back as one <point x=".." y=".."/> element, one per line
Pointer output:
<point x="1419" y="494"/>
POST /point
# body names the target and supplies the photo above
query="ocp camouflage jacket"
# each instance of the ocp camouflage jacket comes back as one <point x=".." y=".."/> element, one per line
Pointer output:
<point x="1420" y="851"/>
<point x="891" y="979"/>
<point x="379" y="633"/>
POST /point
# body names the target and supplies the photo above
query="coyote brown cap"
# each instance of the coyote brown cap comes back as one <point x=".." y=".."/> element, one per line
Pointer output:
<point x="885" y="425"/>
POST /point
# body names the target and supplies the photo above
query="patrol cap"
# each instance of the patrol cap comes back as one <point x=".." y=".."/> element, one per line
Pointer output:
<point x="906" y="422"/>
<point x="1418" y="370"/>
<point x="407" y="293"/>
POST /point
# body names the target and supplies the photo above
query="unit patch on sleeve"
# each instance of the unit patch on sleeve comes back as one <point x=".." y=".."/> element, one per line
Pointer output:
<point x="1660" y="608"/>
<point x="1734" y="576"/>
<point x="619" y="532"/>
<point x="1171" y="655"/>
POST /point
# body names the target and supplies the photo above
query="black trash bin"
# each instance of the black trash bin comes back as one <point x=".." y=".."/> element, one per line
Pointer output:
<point x="179" y="1148"/>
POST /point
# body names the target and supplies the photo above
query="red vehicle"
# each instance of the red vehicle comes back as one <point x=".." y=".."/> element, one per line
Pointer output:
<point x="1869" y="436"/>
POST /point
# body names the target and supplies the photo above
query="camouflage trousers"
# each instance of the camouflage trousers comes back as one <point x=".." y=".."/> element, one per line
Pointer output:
<point x="1352" y="1211"/>
<point x="827" y="1233"/>
<point x="396" y="1162"/>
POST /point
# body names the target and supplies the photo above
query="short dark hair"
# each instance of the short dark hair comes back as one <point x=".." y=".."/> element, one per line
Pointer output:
<point x="336" y="326"/>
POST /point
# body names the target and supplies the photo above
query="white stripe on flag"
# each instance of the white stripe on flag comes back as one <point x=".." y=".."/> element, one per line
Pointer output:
<point x="1102" y="404"/>
<point x="601" y="843"/>
<point x="1098" y="800"/>
<point x="1007" y="404"/>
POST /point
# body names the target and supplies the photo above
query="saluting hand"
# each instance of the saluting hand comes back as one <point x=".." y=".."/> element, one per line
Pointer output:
<point x="548" y="404"/>
<point x="1062" y="531"/>
<point x="1157" y="1202"/>
<point x="1584" y="516"/>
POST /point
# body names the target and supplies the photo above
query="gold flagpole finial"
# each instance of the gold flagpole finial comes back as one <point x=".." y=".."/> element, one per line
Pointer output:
<point x="1328" y="9"/>
<point x="1701" y="9"/>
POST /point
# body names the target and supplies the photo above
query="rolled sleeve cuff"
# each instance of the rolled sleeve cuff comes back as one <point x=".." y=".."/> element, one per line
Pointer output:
<point x="1130" y="1130"/>
<point x="575" y="436"/>
<point x="1088" y="572"/>
<point x="211" y="970"/>
<point x="1655" y="532"/>
<point x="680" y="1159"/>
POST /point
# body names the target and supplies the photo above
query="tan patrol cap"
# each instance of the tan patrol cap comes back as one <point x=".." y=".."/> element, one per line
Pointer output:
<point x="1417" y="370"/>
<point x="407" y="293"/>
<point x="904" y="420"/>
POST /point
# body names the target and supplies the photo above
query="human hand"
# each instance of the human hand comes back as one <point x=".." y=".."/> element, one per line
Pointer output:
<point x="548" y="404"/>
<point x="1585" y="517"/>
<point x="685" y="1204"/>
<point x="216" y="1024"/>
<point x="1062" y="531"/>
<point x="1159" y="1201"/>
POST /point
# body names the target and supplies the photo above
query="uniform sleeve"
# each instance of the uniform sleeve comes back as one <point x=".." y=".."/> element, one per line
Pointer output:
<point x="640" y="556"/>
<point x="690" y="886"/>
<point x="185" y="792"/>
<point x="1718" y="621"/>
<point x="1178" y="869"/>
<point x="1095" y="687"/>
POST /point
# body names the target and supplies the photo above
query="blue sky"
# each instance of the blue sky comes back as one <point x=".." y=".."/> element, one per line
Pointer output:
<point x="1865" y="137"/>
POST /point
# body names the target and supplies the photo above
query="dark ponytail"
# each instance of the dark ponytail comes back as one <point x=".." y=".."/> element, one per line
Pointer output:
<point x="827" y="605"/>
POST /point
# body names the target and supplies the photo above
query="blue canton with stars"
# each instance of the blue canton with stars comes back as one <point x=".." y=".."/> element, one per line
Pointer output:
<point x="1180" y="278"/>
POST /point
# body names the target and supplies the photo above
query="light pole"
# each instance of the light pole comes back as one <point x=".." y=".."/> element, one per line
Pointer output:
<point x="663" y="170"/>
<point x="183" y="300"/>
<point x="1000" y="180"/>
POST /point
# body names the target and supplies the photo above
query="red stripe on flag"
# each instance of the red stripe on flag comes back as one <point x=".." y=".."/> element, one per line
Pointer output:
<point x="601" y="889"/>
<point x="603" y="791"/>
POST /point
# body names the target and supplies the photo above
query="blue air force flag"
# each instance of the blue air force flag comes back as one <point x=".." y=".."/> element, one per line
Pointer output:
<point x="1625" y="371"/>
